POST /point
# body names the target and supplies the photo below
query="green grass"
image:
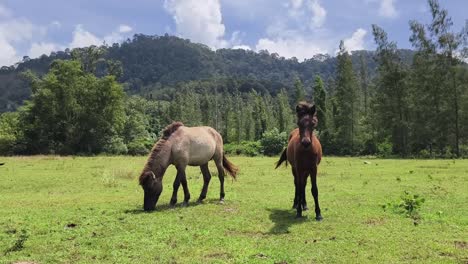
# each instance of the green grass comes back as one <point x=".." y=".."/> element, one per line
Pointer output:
<point x="88" y="210"/>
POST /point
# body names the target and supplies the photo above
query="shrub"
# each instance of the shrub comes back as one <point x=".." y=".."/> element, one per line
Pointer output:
<point x="384" y="149"/>
<point x="137" y="147"/>
<point x="247" y="148"/>
<point x="115" y="145"/>
<point x="408" y="205"/>
<point x="273" y="142"/>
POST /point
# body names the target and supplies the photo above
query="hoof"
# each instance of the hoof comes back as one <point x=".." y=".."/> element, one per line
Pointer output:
<point x="172" y="203"/>
<point x="199" y="201"/>
<point x="185" y="204"/>
<point x="305" y="208"/>
<point x="221" y="201"/>
<point x="299" y="216"/>
<point x="318" y="218"/>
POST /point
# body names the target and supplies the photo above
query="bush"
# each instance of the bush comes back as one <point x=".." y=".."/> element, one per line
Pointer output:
<point x="247" y="148"/>
<point x="273" y="142"/>
<point x="116" y="146"/>
<point x="137" y="147"/>
<point x="7" y="144"/>
<point x="384" y="149"/>
<point x="8" y="132"/>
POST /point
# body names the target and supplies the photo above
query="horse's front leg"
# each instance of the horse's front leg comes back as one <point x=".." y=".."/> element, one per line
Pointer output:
<point x="313" y="178"/>
<point x="300" y="189"/>
<point x="175" y="189"/>
<point x="183" y="181"/>
<point x="296" y="195"/>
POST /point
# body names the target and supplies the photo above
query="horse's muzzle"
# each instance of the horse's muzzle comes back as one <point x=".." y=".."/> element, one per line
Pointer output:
<point x="150" y="200"/>
<point x="306" y="143"/>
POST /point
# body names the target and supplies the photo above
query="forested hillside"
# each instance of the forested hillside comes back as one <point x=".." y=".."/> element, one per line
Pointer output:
<point x="151" y="63"/>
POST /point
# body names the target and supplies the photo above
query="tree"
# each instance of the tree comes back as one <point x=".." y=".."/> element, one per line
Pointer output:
<point x="390" y="105"/>
<point x="285" y="114"/>
<point x="72" y="111"/>
<point x="320" y="98"/>
<point x="299" y="91"/>
<point x="440" y="51"/>
<point x="347" y="102"/>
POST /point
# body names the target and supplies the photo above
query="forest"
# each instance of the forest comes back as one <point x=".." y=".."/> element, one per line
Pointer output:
<point x="116" y="99"/>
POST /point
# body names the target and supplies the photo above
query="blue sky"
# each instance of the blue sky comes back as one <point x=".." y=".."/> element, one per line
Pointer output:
<point x="299" y="28"/>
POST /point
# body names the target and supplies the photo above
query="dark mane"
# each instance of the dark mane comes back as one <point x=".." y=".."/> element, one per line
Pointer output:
<point x="166" y="134"/>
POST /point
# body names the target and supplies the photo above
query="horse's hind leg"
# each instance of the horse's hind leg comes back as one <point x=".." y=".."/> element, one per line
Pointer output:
<point x="175" y="189"/>
<point x="206" y="181"/>
<point x="219" y="166"/>
<point x="304" y="202"/>
<point x="183" y="181"/>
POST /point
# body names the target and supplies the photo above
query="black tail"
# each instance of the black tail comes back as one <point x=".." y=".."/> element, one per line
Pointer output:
<point x="282" y="159"/>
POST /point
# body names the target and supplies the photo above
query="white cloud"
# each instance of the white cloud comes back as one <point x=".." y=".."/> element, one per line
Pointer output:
<point x="83" y="38"/>
<point x="318" y="13"/>
<point x="38" y="49"/>
<point x="292" y="47"/>
<point x="8" y="55"/>
<point x="125" y="28"/>
<point x="17" y="30"/>
<point x="199" y="21"/>
<point x="356" y="41"/>
<point x="14" y="31"/>
<point x="244" y="47"/>
<point x="296" y="4"/>
<point x="387" y="9"/>
<point x="307" y="11"/>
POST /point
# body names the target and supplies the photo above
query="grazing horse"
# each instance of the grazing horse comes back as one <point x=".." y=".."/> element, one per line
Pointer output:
<point x="182" y="146"/>
<point x="304" y="153"/>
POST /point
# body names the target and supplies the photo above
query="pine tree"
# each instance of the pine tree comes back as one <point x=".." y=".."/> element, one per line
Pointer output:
<point x="347" y="101"/>
<point x="390" y="108"/>
<point x="299" y="91"/>
<point x="320" y="98"/>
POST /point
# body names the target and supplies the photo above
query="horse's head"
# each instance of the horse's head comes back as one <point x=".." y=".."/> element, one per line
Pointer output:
<point x="306" y="121"/>
<point x="152" y="186"/>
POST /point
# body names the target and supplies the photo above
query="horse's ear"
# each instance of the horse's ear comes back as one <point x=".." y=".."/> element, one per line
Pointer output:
<point x="313" y="109"/>
<point x="298" y="108"/>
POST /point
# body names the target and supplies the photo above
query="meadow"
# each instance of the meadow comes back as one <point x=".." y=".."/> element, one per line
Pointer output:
<point x="89" y="210"/>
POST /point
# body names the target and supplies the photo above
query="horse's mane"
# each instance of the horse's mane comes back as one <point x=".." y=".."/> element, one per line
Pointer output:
<point x="166" y="134"/>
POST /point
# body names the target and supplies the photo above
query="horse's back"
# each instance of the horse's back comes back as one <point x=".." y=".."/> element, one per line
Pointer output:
<point x="194" y="145"/>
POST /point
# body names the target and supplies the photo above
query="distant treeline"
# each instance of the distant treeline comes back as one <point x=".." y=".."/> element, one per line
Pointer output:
<point x="116" y="99"/>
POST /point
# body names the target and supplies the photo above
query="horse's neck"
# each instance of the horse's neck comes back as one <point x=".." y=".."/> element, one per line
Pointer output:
<point x="161" y="160"/>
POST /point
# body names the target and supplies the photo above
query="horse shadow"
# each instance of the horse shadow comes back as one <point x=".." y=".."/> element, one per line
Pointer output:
<point x="165" y="207"/>
<point x="283" y="220"/>
<point x="139" y="209"/>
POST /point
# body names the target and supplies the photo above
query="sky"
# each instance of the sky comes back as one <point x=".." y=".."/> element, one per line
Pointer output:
<point x="291" y="28"/>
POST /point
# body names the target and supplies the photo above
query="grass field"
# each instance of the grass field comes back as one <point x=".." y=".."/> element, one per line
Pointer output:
<point x="89" y="210"/>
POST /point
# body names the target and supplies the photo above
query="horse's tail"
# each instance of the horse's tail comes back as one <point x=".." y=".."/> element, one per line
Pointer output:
<point x="282" y="159"/>
<point x="229" y="167"/>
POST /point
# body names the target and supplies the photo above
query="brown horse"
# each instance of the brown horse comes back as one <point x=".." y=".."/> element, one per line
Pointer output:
<point x="304" y="153"/>
<point x="182" y="146"/>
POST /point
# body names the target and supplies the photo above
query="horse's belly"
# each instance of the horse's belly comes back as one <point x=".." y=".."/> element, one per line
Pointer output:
<point x="201" y="151"/>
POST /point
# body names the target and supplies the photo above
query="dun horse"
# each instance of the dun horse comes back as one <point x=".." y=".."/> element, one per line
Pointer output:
<point x="182" y="146"/>
<point x="304" y="153"/>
